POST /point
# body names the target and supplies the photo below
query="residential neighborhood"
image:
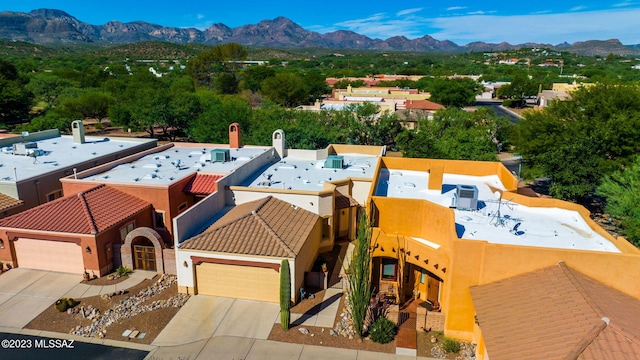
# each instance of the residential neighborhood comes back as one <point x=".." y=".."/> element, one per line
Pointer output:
<point x="222" y="217"/>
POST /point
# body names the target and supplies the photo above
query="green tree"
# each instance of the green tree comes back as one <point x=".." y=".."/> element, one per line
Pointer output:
<point x="285" y="88"/>
<point x="455" y="134"/>
<point x="343" y="83"/>
<point x="218" y="112"/>
<point x="253" y="76"/>
<point x="15" y="98"/>
<point x="216" y="68"/>
<point x="622" y="192"/>
<point x="518" y="90"/>
<point x="457" y="92"/>
<point x="579" y="141"/>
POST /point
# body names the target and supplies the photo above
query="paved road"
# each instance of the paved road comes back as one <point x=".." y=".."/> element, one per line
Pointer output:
<point x="26" y="347"/>
<point x="500" y="111"/>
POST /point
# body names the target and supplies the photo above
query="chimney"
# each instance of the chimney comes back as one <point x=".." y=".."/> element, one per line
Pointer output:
<point x="235" y="140"/>
<point x="279" y="143"/>
<point x="77" y="128"/>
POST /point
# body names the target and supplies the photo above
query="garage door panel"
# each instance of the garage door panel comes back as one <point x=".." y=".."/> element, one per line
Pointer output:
<point x="49" y="255"/>
<point x="244" y="282"/>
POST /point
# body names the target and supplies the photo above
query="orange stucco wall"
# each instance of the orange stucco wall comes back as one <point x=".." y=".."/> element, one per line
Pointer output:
<point x="475" y="262"/>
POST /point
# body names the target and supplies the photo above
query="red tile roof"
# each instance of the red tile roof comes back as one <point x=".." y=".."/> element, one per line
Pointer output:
<point x="345" y="201"/>
<point x="422" y="105"/>
<point x="202" y="184"/>
<point x="265" y="227"/>
<point x="88" y="212"/>
<point x="557" y="313"/>
<point x="7" y="202"/>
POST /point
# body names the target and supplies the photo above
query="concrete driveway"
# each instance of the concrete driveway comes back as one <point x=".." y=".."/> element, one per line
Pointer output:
<point x="203" y="317"/>
<point x="25" y="293"/>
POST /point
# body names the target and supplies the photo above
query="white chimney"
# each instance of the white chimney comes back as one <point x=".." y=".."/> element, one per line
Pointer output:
<point x="77" y="128"/>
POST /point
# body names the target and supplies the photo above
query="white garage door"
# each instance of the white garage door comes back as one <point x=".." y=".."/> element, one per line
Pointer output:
<point x="243" y="282"/>
<point x="49" y="255"/>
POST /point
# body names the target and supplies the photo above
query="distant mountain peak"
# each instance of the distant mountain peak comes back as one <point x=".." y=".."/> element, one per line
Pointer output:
<point x="45" y="26"/>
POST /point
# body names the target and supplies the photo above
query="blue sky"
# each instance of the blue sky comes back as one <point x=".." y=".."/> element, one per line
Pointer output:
<point x="540" y="21"/>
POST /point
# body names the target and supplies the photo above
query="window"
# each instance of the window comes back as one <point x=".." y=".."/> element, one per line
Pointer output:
<point x="158" y="219"/>
<point x="54" y="195"/>
<point x="389" y="269"/>
<point x="182" y="206"/>
<point x="125" y="230"/>
<point x="423" y="276"/>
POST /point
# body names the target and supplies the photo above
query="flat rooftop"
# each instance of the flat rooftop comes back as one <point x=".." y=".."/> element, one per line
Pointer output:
<point x="57" y="152"/>
<point x="496" y="220"/>
<point x="175" y="163"/>
<point x="293" y="173"/>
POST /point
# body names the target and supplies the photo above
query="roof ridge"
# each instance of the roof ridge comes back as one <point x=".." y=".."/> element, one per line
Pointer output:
<point x="85" y="207"/>
<point x="571" y="276"/>
<point x="273" y="233"/>
<point x="588" y="339"/>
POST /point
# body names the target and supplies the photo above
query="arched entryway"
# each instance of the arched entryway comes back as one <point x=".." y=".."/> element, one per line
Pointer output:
<point x="142" y="249"/>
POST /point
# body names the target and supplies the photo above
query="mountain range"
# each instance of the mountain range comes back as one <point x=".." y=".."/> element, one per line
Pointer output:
<point x="49" y="26"/>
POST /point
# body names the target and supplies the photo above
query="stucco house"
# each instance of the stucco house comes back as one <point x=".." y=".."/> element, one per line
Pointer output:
<point x="75" y="233"/>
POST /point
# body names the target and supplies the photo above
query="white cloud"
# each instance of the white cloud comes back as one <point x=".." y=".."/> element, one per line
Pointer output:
<point x="541" y="28"/>
<point x="624" y="4"/>
<point x="408" y="11"/>
<point x="454" y="8"/>
<point x="479" y="12"/>
<point x="578" y="8"/>
<point x="199" y="16"/>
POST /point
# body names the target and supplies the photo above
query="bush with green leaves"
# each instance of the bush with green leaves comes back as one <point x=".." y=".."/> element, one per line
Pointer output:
<point x="123" y="270"/>
<point x="64" y="303"/>
<point x="382" y="330"/>
<point x="450" y="345"/>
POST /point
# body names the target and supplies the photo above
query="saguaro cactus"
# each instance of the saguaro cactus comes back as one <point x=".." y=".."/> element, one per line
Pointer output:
<point x="285" y="294"/>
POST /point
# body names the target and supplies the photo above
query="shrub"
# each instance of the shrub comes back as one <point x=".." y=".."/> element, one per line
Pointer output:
<point x="382" y="330"/>
<point x="123" y="270"/>
<point x="450" y="345"/>
<point x="64" y="303"/>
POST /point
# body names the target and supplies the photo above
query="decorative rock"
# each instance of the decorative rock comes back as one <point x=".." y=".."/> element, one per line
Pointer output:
<point x="304" y="330"/>
<point x="434" y="340"/>
<point x="333" y="332"/>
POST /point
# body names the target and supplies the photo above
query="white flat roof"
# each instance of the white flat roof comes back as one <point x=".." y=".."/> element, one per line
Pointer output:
<point x="293" y="173"/>
<point x="58" y="152"/>
<point x="497" y="220"/>
<point x="175" y="163"/>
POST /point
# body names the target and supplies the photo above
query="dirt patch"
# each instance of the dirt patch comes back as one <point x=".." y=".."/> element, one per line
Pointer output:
<point x="150" y="323"/>
<point x="106" y="280"/>
<point x="320" y="336"/>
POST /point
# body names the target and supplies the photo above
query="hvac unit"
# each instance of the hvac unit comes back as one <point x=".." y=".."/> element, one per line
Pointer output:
<point x="24" y="148"/>
<point x="467" y="197"/>
<point x="334" y="162"/>
<point x="220" y="155"/>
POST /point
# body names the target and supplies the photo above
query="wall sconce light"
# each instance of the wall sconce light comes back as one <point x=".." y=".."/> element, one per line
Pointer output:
<point x="444" y="270"/>
<point x="426" y="261"/>
<point x="381" y="248"/>
<point x="435" y="266"/>
<point x="88" y="250"/>
<point x="408" y="253"/>
<point x="417" y="257"/>
<point x="311" y="203"/>
<point x="401" y="250"/>
<point x="393" y="249"/>
<point x="185" y="264"/>
<point x="1" y="244"/>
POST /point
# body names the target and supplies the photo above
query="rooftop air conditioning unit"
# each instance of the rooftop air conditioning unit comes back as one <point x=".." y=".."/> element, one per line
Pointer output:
<point x="220" y="155"/>
<point x="24" y="147"/>
<point x="467" y="197"/>
<point x="334" y="162"/>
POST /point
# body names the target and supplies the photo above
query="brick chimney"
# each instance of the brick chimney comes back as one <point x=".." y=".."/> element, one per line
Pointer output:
<point x="235" y="140"/>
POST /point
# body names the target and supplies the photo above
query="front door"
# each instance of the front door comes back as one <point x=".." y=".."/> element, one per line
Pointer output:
<point x="433" y="289"/>
<point x="144" y="257"/>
